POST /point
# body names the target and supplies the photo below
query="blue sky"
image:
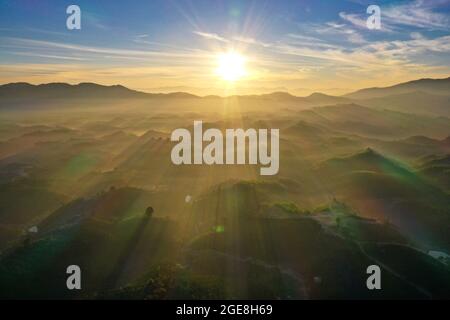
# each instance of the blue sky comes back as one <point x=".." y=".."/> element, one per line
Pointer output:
<point x="299" y="46"/>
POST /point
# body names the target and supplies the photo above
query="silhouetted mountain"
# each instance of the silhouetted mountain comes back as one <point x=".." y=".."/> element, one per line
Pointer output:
<point x="433" y="86"/>
<point x="63" y="90"/>
<point x="25" y="91"/>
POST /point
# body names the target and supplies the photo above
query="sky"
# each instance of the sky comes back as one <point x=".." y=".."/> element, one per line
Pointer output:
<point x="299" y="46"/>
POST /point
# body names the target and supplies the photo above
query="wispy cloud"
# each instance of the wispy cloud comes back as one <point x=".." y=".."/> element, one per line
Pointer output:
<point x="253" y="41"/>
<point x="94" y="21"/>
<point x="354" y="19"/>
<point x="418" y="14"/>
<point x="129" y="53"/>
<point x="235" y="39"/>
<point x="212" y="36"/>
<point x="322" y="52"/>
<point x="49" y="56"/>
<point x="309" y="41"/>
<point x="360" y="21"/>
<point x="333" y="28"/>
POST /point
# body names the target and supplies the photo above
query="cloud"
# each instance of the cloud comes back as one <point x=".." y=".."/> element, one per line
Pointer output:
<point x="99" y="51"/>
<point x="333" y="28"/>
<point x="253" y="41"/>
<point x="332" y="53"/>
<point x="419" y="13"/>
<point x="355" y="19"/>
<point x="367" y="59"/>
<point x="74" y="73"/>
<point x="360" y="21"/>
<point x="242" y="39"/>
<point x="309" y="41"/>
<point x="213" y="36"/>
<point x="49" y="56"/>
<point x="93" y="20"/>
<point x="416" y="36"/>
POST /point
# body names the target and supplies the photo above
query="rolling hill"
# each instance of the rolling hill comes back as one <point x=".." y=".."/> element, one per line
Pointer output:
<point x="419" y="102"/>
<point x="432" y="86"/>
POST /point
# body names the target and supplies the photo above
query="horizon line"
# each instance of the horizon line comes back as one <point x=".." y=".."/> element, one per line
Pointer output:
<point x="215" y="95"/>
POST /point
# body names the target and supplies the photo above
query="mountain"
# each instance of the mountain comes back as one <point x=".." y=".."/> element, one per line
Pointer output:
<point x="24" y="95"/>
<point x="424" y="96"/>
<point x="368" y="160"/>
<point x="91" y="90"/>
<point x="314" y="100"/>
<point x="369" y="181"/>
<point x="318" y="98"/>
<point x="378" y="123"/>
<point x="305" y="129"/>
<point x="419" y="102"/>
<point x="370" y="173"/>
<point x="432" y="86"/>
<point x="277" y="95"/>
<point x="22" y="91"/>
<point x="422" y="140"/>
<point x="438" y="169"/>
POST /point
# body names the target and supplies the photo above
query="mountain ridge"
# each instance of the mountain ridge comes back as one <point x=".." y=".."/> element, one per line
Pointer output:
<point x="367" y="93"/>
<point x="428" y="85"/>
<point x="423" y="96"/>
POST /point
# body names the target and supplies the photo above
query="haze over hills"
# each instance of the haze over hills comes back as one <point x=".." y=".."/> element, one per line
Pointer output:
<point x="414" y="101"/>
<point x="424" y="96"/>
<point x="85" y="90"/>
<point x="24" y="91"/>
<point x="355" y="182"/>
<point x="93" y="90"/>
<point x="432" y="86"/>
<point x="203" y="150"/>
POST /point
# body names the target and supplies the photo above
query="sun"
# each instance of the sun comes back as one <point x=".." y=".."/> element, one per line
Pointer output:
<point x="231" y="66"/>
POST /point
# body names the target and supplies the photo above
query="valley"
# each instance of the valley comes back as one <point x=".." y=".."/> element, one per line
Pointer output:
<point x="357" y="185"/>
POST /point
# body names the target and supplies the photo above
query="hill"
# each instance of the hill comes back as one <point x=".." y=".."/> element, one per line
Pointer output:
<point x="437" y="169"/>
<point x="65" y="90"/>
<point x="24" y="92"/>
<point x="367" y="161"/>
<point x="432" y="86"/>
<point x="419" y="102"/>
<point x="370" y="122"/>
